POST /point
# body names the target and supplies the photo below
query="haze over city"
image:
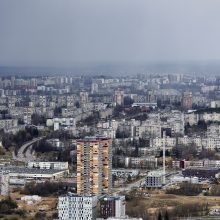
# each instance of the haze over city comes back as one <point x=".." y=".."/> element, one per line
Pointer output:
<point x="54" y="33"/>
<point x="109" y="110"/>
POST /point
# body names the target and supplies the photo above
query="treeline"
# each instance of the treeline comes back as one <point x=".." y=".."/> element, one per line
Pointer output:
<point x="137" y="208"/>
<point x="191" y="152"/>
<point x="38" y="119"/>
<point x="62" y="135"/>
<point x="187" y="189"/>
<point x="43" y="146"/>
<point x="7" y="206"/>
<point x="214" y="191"/>
<point x="44" y="189"/>
<point x="200" y="127"/>
<point x="18" y="139"/>
<point x="189" y="209"/>
<point x="91" y="119"/>
<point x="60" y="154"/>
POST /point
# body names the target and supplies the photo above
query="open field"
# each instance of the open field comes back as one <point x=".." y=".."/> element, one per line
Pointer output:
<point x="161" y="201"/>
<point x="48" y="204"/>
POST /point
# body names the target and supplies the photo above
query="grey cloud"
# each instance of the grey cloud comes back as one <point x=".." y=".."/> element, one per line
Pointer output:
<point x="62" y="32"/>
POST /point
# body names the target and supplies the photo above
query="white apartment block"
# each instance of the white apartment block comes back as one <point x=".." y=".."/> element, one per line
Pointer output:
<point x="49" y="165"/>
<point x="154" y="179"/>
<point x="62" y="122"/>
<point x="198" y="163"/>
<point x="191" y="118"/>
<point x="110" y="133"/>
<point x="211" y="143"/>
<point x="210" y="117"/>
<point x="76" y="207"/>
<point x="213" y="130"/>
<point x="4" y="183"/>
<point x="158" y="142"/>
<point x="125" y="172"/>
<point x="7" y="124"/>
<point x="141" y="162"/>
<point x="149" y="130"/>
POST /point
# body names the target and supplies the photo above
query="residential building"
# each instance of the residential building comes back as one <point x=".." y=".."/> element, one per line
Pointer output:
<point x="112" y="206"/>
<point x="94" y="165"/>
<point x="187" y="100"/>
<point x="49" y="165"/>
<point x="119" y="97"/>
<point x="77" y="207"/>
<point x="4" y="183"/>
<point x="154" y="179"/>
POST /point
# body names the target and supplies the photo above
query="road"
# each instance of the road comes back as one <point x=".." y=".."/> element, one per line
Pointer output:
<point x="129" y="187"/>
<point x="25" y="151"/>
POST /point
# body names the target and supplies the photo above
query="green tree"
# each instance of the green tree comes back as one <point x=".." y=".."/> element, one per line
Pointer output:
<point x="7" y="205"/>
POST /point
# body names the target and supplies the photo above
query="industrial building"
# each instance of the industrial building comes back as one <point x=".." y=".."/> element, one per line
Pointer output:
<point x="18" y="174"/>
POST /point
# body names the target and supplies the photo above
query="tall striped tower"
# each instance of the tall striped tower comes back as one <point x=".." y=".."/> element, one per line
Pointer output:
<point x="94" y="165"/>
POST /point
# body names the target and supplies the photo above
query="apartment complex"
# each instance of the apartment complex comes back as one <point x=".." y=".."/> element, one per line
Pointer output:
<point x="112" y="206"/>
<point x="72" y="206"/>
<point x="94" y="165"/>
<point x="49" y="165"/>
<point x="154" y="179"/>
<point x="4" y="183"/>
<point x="187" y="100"/>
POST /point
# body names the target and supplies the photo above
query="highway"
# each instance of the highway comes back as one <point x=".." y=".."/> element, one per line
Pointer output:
<point x="25" y="151"/>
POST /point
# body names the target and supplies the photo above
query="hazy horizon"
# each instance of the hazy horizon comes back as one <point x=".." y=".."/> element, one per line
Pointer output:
<point x="53" y="33"/>
<point x="123" y="68"/>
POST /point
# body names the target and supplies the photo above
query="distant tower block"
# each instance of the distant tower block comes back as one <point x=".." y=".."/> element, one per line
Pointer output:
<point x="94" y="88"/>
<point x="187" y="100"/>
<point x="119" y="97"/>
<point x="84" y="97"/>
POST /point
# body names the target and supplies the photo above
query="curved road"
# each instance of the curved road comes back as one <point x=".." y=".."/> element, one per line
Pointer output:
<point x="24" y="152"/>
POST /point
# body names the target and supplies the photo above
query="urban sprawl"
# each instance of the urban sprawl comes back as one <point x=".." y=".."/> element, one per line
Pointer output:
<point x="98" y="147"/>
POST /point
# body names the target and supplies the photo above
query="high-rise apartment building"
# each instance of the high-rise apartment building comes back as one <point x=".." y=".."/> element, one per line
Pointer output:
<point x="187" y="100"/>
<point x="77" y="207"/>
<point x="94" y="165"/>
<point x="119" y="97"/>
<point x="84" y="98"/>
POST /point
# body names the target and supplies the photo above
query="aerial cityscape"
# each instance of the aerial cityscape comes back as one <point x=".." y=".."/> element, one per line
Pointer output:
<point x="103" y="118"/>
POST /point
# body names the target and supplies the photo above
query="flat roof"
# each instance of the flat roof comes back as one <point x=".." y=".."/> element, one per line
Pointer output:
<point x="29" y="170"/>
<point x="156" y="173"/>
<point x="94" y="139"/>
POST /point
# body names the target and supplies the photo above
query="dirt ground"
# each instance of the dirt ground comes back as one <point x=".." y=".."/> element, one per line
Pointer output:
<point x="48" y="204"/>
<point x="160" y="200"/>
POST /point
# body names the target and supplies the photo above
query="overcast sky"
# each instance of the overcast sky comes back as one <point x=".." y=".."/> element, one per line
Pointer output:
<point x="63" y="32"/>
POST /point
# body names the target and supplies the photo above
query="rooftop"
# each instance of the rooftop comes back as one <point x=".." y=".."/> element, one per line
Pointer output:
<point x="11" y="169"/>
